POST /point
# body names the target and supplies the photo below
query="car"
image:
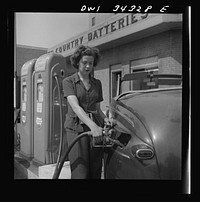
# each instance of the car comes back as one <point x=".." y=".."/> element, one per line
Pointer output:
<point x="148" y="124"/>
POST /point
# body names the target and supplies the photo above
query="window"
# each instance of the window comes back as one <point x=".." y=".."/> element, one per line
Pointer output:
<point x="24" y="93"/>
<point x="24" y="96"/>
<point x="146" y="64"/>
<point x="144" y="83"/>
<point x="116" y="74"/>
<point x="93" y="21"/>
<point x="40" y="92"/>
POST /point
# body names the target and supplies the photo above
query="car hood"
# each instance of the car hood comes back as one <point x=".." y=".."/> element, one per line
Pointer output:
<point x="160" y="112"/>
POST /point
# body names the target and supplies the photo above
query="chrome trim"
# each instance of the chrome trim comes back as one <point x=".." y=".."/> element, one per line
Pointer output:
<point x="144" y="149"/>
<point x="136" y="92"/>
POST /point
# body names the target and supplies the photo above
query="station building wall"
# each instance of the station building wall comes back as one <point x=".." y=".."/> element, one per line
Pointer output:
<point x="163" y="49"/>
<point x="153" y="41"/>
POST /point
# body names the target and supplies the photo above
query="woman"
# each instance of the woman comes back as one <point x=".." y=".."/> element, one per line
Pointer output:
<point x="84" y="94"/>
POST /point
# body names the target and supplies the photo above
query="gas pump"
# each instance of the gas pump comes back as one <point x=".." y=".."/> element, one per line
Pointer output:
<point x="50" y="70"/>
<point x="26" y="108"/>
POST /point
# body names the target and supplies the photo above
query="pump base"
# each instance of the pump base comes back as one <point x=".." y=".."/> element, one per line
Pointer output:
<point x="46" y="171"/>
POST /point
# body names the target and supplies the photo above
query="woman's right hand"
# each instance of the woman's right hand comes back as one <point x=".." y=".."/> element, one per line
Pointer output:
<point x="96" y="134"/>
<point x="96" y="131"/>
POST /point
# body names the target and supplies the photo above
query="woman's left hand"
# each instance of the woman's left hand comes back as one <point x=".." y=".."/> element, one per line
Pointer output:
<point x="108" y="121"/>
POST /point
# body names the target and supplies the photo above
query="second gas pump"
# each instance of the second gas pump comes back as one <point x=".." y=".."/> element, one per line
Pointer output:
<point x="26" y="136"/>
<point x="50" y="70"/>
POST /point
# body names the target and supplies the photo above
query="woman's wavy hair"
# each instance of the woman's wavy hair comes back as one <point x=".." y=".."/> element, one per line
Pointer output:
<point x="84" y="50"/>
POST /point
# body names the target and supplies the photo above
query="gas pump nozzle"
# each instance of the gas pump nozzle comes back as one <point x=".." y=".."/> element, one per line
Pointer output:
<point x="106" y="140"/>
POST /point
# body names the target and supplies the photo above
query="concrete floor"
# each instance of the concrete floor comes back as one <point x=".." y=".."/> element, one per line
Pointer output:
<point x="23" y="168"/>
<point x="27" y="169"/>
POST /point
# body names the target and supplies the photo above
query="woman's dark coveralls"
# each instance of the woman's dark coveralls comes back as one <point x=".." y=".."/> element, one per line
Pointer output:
<point x="85" y="161"/>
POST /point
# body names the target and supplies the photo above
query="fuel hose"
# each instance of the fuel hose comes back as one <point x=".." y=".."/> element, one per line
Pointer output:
<point x="18" y="114"/>
<point x="61" y="120"/>
<point x="60" y="163"/>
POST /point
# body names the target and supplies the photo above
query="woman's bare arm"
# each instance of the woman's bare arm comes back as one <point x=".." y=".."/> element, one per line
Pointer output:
<point x="73" y="101"/>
